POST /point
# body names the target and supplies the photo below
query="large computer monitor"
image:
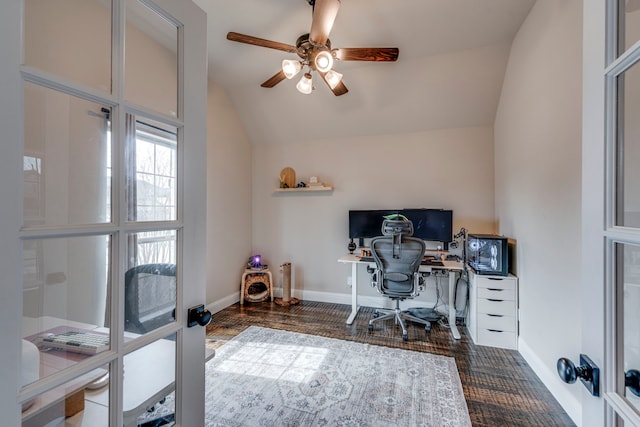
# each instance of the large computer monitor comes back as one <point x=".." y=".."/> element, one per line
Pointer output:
<point x="428" y="224"/>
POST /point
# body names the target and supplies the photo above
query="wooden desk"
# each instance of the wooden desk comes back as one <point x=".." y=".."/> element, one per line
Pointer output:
<point x="454" y="267"/>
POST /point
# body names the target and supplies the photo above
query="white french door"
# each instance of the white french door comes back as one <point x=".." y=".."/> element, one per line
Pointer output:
<point x="103" y="115"/>
<point x="611" y="209"/>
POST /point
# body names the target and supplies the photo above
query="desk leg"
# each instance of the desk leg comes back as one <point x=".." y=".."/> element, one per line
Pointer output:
<point x="452" y="305"/>
<point x="354" y="293"/>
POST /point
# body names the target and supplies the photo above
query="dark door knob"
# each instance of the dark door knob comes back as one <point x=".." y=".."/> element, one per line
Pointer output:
<point x="569" y="373"/>
<point x="198" y="315"/>
<point x="632" y="380"/>
<point x="588" y="372"/>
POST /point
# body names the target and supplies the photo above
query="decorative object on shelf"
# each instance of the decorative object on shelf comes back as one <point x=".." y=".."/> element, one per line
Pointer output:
<point x="286" y="299"/>
<point x="351" y="246"/>
<point x="301" y="185"/>
<point x="287" y="178"/>
<point x="313" y="182"/>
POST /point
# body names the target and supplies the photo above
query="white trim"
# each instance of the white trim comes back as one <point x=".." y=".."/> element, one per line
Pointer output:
<point x="549" y="377"/>
<point x="223" y="303"/>
<point x="327" y="297"/>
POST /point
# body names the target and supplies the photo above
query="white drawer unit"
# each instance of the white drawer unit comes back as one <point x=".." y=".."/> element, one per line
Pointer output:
<point x="492" y="318"/>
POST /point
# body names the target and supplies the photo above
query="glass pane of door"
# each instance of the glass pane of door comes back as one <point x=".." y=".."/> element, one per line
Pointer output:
<point x="629" y="24"/>
<point x="66" y="154"/>
<point x="65" y="287"/>
<point x="628" y="289"/>
<point x="70" y="39"/>
<point x="151" y="60"/>
<point x="150" y="281"/>
<point x="149" y="397"/>
<point x="628" y="149"/>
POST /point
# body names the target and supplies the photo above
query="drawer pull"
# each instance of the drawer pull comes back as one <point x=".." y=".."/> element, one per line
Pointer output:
<point x="495" y="289"/>
<point x="495" y="315"/>
<point x="495" y="300"/>
<point x="495" y="278"/>
<point x="494" y="330"/>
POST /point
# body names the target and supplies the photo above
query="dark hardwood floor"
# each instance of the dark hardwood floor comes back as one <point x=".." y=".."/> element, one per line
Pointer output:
<point x="499" y="386"/>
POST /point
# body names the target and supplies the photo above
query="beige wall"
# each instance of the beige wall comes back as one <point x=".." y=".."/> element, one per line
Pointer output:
<point x="538" y="184"/>
<point x="229" y="200"/>
<point x="451" y="169"/>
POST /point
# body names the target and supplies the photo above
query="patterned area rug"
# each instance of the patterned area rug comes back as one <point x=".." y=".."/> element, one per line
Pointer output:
<point x="267" y="377"/>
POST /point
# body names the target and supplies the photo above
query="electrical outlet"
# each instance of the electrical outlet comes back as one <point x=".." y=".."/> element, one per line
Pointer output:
<point x="349" y="281"/>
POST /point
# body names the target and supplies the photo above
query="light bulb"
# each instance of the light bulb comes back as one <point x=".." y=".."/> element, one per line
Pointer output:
<point x="333" y="78"/>
<point x="305" y="85"/>
<point x="324" y="61"/>
<point x="290" y="68"/>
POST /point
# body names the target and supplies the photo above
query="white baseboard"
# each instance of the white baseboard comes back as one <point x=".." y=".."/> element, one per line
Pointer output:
<point x="328" y="297"/>
<point x="550" y="379"/>
<point x="223" y="303"/>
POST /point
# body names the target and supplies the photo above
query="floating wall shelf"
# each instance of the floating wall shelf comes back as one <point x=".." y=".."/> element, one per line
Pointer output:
<point x="303" y="189"/>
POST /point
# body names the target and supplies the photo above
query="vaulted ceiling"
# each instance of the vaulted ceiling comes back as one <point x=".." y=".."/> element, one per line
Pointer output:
<point x="453" y="55"/>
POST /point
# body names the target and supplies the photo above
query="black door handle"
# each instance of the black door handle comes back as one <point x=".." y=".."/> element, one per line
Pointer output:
<point x="198" y="315"/>
<point x="632" y="380"/>
<point x="588" y="372"/>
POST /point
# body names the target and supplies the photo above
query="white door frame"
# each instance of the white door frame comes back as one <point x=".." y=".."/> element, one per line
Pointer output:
<point x="11" y="123"/>
<point x="593" y="306"/>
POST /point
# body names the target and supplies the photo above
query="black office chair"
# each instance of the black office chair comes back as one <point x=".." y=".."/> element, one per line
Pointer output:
<point x="398" y="257"/>
<point x="150" y="297"/>
<point x="150" y="302"/>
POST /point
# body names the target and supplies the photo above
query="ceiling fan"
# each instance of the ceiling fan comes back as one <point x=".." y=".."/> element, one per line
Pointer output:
<point x="315" y="52"/>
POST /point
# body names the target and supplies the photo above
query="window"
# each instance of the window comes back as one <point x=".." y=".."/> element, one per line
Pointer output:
<point x="151" y="196"/>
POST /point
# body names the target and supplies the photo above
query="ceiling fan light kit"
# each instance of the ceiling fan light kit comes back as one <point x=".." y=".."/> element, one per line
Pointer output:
<point x="290" y="68"/>
<point x="305" y="85"/>
<point x="323" y="61"/>
<point x="333" y="78"/>
<point x="315" y="51"/>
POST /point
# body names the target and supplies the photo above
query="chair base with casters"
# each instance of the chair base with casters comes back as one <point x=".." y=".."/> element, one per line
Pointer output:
<point x="399" y="316"/>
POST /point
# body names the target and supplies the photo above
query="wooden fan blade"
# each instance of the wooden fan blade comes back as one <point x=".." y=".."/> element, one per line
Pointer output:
<point x="367" y="54"/>
<point x="256" y="41"/>
<point x="274" y="80"/>
<point x="340" y="88"/>
<point x="324" y="14"/>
